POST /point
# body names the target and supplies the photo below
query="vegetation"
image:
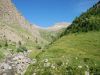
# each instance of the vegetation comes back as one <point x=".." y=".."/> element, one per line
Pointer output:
<point x="6" y="44"/>
<point x="72" y="54"/>
<point x="52" y="36"/>
<point x="89" y="21"/>
<point x="76" y="53"/>
<point x="21" y="49"/>
<point x="1" y="55"/>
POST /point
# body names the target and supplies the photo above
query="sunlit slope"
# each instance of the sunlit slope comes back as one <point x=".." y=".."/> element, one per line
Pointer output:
<point x="84" y="45"/>
<point x="72" y="54"/>
<point x="77" y="52"/>
<point x="14" y="28"/>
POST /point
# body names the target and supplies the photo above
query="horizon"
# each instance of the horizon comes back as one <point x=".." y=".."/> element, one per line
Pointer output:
<point x="47" y="13"/>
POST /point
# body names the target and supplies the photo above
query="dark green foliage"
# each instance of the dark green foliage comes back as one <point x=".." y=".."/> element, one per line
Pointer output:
<point x="6" y="44"/>
<point x="69" y="70"/>
<point x="97" y="71"/>
<point x="86" y="59"/>
<point x="59" y="63"/>
<point x="89" y="21"/>
<point x="0" y="46"/>
<point x="21" y="49"/>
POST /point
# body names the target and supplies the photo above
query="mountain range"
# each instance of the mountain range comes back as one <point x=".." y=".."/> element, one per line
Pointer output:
<point x="62" y="49"/>
<point x="14" y="27"/>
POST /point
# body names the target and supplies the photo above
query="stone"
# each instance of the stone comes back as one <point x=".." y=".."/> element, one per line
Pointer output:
<point x="10" y="67"/>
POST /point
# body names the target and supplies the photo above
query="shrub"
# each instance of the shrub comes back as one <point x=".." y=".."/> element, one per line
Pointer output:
<point x="21" y="49"/>
<point x="86" y="59"/>
<point x="6" y="44"/>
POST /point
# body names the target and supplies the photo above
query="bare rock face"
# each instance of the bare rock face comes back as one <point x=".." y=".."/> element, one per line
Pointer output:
<point x="14" y="26"/>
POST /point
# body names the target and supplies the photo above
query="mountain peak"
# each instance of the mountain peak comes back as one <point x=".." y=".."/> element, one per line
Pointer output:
<point x="58" y="26"/>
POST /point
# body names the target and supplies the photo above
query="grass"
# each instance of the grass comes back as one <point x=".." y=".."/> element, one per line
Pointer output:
<point x="83" y="42"/>
<point x="75" y="50"/>
<point x="80" y="45"/>
<point x="51" y="36"/>
<point x="1" y="55"/>
<point x="34" y="53"/>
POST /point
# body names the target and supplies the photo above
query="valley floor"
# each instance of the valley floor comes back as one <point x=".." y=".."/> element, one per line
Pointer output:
<point x="73" y="54"/>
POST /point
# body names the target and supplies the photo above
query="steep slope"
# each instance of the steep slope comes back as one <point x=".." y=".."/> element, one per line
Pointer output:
<point x="15" y="30"/>
<point x="76" y="53"/>
<point x="14" y="27"/>
<point x="16" y="33"/>
<point x="89" y="21"/>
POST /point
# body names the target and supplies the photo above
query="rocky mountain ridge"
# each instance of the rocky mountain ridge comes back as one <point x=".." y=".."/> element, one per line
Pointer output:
<point x="14" y="27"/>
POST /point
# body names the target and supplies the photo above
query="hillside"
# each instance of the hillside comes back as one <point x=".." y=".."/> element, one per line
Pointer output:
<point x="63" y="49"/>
<point x="76" y="53"/>
<point x="15" y="30"/>
<point x="89" y="21"/>
<point x="14" y="27"/>
<point x="54" y="32"/>
<point x="16" y="33"/>
<point x="19" y="39"/>
<point x="70" y="53"/>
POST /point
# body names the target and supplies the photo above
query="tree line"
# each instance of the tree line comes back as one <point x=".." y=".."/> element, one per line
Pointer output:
<point x="88" y="21"/>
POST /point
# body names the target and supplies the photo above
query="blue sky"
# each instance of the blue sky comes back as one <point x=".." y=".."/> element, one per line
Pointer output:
<point x="46" y="13"/>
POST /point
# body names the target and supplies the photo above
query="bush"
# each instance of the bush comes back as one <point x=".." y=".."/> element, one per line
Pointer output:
<point x="86" y="59"/>
<point x="21" y="49"/>
<point x="6" y="44"/>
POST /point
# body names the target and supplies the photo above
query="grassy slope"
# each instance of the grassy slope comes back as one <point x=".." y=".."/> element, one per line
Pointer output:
<point x="83" y="45"/>
<point x="50" y="36"/>
<point x="72" y="49"/>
